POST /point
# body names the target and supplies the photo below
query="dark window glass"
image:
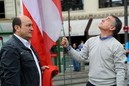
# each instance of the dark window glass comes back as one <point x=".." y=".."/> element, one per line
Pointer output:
<point x="72" y="5"/>
<point x="111" y="3"/>
<point x="2" y="10"/>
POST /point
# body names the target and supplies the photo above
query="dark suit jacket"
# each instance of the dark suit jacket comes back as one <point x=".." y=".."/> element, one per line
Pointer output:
<point x="17" y="65"/>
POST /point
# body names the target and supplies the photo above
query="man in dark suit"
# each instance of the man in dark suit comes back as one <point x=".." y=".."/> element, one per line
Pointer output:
<point x="19" y="64"/>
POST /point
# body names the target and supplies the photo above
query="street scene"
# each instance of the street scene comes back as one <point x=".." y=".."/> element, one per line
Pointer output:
<point x="64" y="43"/>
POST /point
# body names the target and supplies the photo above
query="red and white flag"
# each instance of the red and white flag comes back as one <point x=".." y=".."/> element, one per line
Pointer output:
<point x="47" y="24"/>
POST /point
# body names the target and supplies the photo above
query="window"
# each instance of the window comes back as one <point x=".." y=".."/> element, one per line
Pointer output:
<point x="2" y="10"/>
<point x="111" y="3"/>
<point x="72" y="5"/>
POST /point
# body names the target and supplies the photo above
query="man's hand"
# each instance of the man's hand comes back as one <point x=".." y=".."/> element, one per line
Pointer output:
<point x="64" y="42"/>
<point x="44" y="67"/>
<point x="127" y="51"/>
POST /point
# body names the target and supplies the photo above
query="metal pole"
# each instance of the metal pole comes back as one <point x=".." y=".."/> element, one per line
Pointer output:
<point x="63" y="50"/>
<point x="126" y="33"/>
<point x="69" y="27"/>
<point x="126" y="19"/>
<point x="58" y="51"/>
<point x="15" y="2"/>
<point x="125" y="12"/>
<point x="64" y="64"/>
<point x="69" y="32"/>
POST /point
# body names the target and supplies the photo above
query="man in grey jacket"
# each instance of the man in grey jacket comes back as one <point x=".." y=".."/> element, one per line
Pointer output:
<point x="106" y="55"/>
<point x="19" y="63"/>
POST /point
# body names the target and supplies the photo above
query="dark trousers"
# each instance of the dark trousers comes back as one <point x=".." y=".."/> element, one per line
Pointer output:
<point x="89" y="84"/>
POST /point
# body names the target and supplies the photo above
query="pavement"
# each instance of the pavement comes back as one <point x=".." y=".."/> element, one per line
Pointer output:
<point x="83" y="77"/>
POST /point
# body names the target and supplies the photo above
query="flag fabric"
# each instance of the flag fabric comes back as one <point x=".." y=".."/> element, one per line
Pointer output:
<point x="47" y="24"/>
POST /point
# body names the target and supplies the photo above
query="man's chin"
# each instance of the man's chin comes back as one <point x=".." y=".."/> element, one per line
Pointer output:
<point x="29" y="37"/>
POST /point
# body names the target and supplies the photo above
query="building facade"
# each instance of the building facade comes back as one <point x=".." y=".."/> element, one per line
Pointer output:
<point x="77" y="11"/>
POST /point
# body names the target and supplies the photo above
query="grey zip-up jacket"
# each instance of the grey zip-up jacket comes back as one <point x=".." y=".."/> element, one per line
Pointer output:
<point x="17" y="65"/>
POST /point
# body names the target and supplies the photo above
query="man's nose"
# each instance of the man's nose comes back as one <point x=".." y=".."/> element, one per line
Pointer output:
<point x="31" y="28"/>
<point x="103" y="20"/>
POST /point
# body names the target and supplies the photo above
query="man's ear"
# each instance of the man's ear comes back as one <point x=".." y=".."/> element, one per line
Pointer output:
<point x="112" y="28"/>
<point x="17" y="28"/>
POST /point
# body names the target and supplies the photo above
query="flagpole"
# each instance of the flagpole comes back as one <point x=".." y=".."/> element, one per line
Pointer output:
<point x="69" y="27"/>
<point x="64" y="59"/>
<point x="69" y="33"/>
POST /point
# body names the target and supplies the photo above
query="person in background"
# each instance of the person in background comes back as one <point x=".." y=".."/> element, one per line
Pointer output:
<point x="76" y="64"/>
<point x="19" y="64"/>
<point x="106" y="55"/>
<point x="82" y="64"/>
<point x="80" y="46"/>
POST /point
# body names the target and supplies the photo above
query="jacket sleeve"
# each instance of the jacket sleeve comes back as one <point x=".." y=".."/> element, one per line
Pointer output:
<point x="10" y="66"/>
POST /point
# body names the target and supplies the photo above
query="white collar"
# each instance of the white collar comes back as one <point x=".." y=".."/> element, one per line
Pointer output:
<point x="25" y="42"/>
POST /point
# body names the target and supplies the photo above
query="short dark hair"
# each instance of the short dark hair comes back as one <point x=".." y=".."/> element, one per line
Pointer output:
<point x="16" y="21"/>
<point x="118" y="25"/>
